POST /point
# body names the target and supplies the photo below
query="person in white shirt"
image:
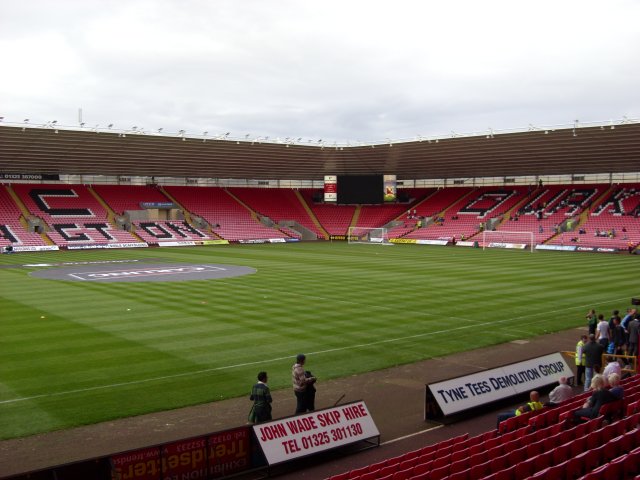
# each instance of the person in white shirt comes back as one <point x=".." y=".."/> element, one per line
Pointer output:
<point x="612" y="367"/>
<point x="559" y="394"/>
<point x="602" y="331"/>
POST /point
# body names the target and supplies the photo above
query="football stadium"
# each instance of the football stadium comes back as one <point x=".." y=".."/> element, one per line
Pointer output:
<point x="357" y="240"/>
<point x="151" y="286"/>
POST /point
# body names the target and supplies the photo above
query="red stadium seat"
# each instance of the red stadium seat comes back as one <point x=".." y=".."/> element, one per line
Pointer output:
<point x="478" y="458"/>
<point x="403" y="474"/>
<point x="632" y="421"/>
<point x="616" y="468"/>
<point x="525" y="469"/>
<point x="461" y="475"/>
<point x="499" y="463"/>
<point x="422" y="468"/>
<point x="405" y="464"/>
<point x="613" y="410"/>
<point x="534" y="448"/>
<point x="388" y="470"/>
<point x="440" y="462"/>
<point x="459" y="455"/>
<point x="633" y="407"/>
<point x="543" y="461"/>
<point x="460" y="465"/>
<point x="358" y="471"/>
<point x="632" y="463"/>
<point x="371" y="475"/>
<point x="561" y="453"/>
<point x="378" y="465"/>
<point x="439" y="473"/>
<point x="480" y="470"/>
<point x="517" y="455"/>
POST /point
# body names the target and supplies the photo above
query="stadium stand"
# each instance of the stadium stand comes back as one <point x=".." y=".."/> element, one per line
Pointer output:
<point x="373" y="216"/>
<point x="73" y="215"/>
<point x="335" y="219"/>
<point x="12" y="230"/>
<point x="158" y="231"/>
<point x="228" y="218"/>
<point x="612" y="222"/>
<point x="547" y="208"/>
<point x="454" y="218"/>
<point x="527" y="448"/>
<point x="129" y="197"/>
<point x="608" y="217"/>
<point x="279" y="204"/>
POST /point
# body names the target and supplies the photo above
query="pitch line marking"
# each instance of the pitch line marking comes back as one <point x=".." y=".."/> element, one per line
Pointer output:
<point x="394" y="440"/>
<point x="319" y="352"/>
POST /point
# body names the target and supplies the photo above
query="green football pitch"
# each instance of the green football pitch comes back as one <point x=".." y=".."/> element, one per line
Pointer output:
<point x="74" y="353"/>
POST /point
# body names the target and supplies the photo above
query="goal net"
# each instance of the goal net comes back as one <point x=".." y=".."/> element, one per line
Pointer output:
<point x="515" y="240"/>
<point x="368" y="235"/>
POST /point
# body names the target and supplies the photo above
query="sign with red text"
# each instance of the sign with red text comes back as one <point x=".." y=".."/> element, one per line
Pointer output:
<point x="213" y="456"/>
<point x="330" y="188"/>
<point x="314" y="432"/>
<point x="477" y="389"/>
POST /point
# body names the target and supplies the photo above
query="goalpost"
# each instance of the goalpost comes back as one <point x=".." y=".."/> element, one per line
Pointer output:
<point x="378" y="236"/>
<point x="516" y="240"/>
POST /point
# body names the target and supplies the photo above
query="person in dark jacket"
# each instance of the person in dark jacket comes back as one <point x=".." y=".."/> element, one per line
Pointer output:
<point x="600" y="396"/>
<point x="593" y="360"/>
<point x="261" y="397"/>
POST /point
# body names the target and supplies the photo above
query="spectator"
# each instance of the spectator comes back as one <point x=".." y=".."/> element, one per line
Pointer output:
<point x="592" y="321"/>
<point x="580" y="360"/>
<point x="559" y="394"/>
<point x="600" y="396"/>
<point x="612" y="367"/>
<point x="615" y="314"/>
<point x="627" y="318"/>
<point x="593" y="359"/>
<point x="301" y="383"/>
<point x="616" y="390"/>
<point x="618" y="337"/>
<point x="532" y="405"/>
<point x="602" y="331"/>
<point x="634" y="329"/>
<point x="261" y="397"/>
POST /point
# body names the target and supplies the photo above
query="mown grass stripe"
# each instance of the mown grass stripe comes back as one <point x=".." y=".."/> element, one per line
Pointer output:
<point x="363" y="307"/>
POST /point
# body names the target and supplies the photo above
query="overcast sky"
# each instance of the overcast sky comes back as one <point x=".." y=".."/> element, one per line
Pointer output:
<point x="360" y="70"/>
